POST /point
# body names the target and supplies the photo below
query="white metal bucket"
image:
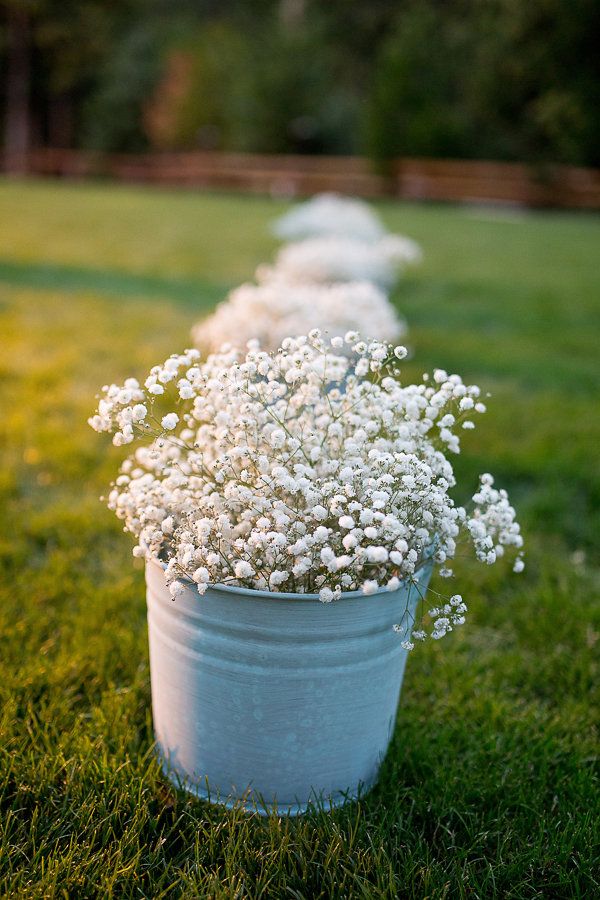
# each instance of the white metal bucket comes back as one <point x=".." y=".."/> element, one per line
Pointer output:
<point x="273" y="699"/>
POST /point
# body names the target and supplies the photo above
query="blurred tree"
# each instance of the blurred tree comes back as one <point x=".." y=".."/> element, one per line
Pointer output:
<point x="534" y="89"/>
<point x="500" y="79"/>
<point x="194" y="102"/>
<point x="503" y="79"/>
<point x="112" y="115"/>
<point x="271" y="89"/>
<point x="415" y="107"/>
<point x="18" y="84"/>
<point x="54" y="50"/>
<point x="288" y="100"/>
<point x="165" y="79"/>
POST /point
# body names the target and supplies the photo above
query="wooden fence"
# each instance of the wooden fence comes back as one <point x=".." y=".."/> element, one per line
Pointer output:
<point x="415" y="179"/>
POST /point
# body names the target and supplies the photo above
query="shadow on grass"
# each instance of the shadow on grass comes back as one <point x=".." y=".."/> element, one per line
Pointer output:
<point x="197" y="293"/>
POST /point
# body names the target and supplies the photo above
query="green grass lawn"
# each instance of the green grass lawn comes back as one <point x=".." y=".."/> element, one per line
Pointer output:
<point x="490" y="786"/>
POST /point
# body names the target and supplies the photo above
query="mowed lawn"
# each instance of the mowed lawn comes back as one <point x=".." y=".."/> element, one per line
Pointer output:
<point x="490" y="787"/>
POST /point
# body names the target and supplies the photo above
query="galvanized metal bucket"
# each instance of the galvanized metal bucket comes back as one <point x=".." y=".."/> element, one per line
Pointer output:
<point x="273" y="699"/>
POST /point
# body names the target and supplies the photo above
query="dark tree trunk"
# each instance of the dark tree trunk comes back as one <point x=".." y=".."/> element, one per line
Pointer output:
<point x="60" y="121"/>
<point x="17" y="134"/>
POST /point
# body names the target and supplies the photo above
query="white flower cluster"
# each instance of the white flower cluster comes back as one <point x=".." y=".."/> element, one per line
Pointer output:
<point x="327" y="214"/>
<point x="309" y="470"/>
<point x="277" y="308"/>
<point x="333" y="280"/>
<point x="340" y="258"/>
<point x="340" y="239"/>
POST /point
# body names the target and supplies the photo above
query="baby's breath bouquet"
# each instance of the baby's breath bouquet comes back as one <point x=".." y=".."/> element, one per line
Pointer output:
<point x="326" y="214"/>
<point x="278" y="307"/>
<point x="338" y="258"/>
<point x="311" y="470"/>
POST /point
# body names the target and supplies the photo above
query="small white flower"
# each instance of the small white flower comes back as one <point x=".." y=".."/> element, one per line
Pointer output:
<point x="277" y="438"/>
<point x="277" y="578"/>
<point x="326" y="595"/>
<point x="167" y="525"/>
<point x="243" y="569"/>
<point x="176" y="589"/>
<point x="370" y="587"/>
<point x="139" y="412"/>
<point x="169" y="422"/>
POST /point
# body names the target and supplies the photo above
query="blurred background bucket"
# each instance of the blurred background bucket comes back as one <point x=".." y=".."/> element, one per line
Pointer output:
<point x="274" y="698"/>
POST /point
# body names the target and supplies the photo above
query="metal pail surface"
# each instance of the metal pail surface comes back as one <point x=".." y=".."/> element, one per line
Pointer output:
<point x="271" y="698"/>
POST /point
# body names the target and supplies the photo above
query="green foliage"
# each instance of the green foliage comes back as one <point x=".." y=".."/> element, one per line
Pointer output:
<point x="206" y="115"/>
<point x="498" y="80"/>
<point x="414" y="109"/>
<point x="501" y="79"/>
<point x="112" y="115"/>
<point x="270" y="89"/>
<point x="71" y="38"/>
<point x="283" y="93"/>
<point x="490" y="787"/>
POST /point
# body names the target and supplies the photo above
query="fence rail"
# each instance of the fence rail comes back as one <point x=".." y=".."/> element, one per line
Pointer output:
<point x="416" y="179"/>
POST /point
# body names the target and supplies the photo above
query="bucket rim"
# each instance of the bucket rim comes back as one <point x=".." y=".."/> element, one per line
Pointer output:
<point x="255" y="593"/>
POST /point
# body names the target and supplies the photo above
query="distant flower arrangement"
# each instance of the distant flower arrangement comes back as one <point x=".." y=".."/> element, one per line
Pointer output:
<point x="309" y="470"/>
<point x="334" y="279"/>
<point x="276" y="308"/>
<point x="336" y="258"/>
<point x="327" y="214"/>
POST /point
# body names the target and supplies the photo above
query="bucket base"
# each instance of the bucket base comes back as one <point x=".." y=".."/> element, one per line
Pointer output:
<point x="260" y="807"/>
